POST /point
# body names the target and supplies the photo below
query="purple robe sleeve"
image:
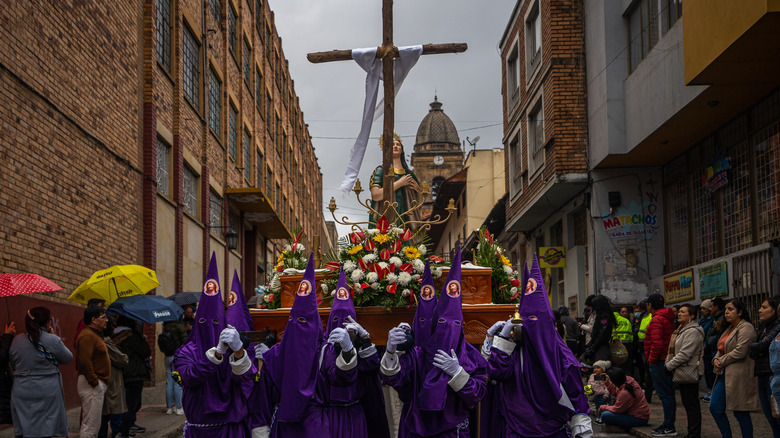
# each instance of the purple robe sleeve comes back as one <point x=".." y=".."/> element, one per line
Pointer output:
<point x="573" y="385"/>
<point x="500" y="366"/>
<point x="243" y="370"/>
<point x="192" y="372"/>
<point x="368" y="360"/>
<point x="474" y="388"/>
<point x="339" y="371"/>
<point x="400" y="375"/>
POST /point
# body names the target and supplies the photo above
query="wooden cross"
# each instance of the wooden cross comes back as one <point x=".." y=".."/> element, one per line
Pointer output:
<point x="387" y="52"/>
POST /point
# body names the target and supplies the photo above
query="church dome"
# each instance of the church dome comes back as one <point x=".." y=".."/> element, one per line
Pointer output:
<point x="437" y="127"/>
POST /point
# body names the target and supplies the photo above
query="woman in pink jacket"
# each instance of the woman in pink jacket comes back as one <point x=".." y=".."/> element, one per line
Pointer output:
<point x="630" y="408"/>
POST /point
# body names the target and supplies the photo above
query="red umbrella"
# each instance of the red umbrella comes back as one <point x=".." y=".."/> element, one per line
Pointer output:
<point x="17" y="284"/>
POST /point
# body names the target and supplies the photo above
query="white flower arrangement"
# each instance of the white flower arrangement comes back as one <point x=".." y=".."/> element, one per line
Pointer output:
<point x="508" y="270"/>
<point x="397" y="231"/>
<point x="287" y="248"/>
<point x="392" y="278"/>
<point x="356" y="275"/>
<point x="419" y="265"/>
<point x="513" y="290"/>
<point x="333" y="294"/>
<point x="375" y="286"/>
<point x="372" y="277"/>
<point x="300" y="248"/>
<point x="423" y="249"/>
<point x="416" y="276"/>
<point x="368" y="258"/>
<point x="372" y="232"/>
<point x="324" y="287"/>
<point x="396" y="261"/>
<point x="404" y="278"/>
<point x="406" y="292"/>
<point x="383" y="265"/>
<point x="349" y="266"/>
<point x="437" y="272"/>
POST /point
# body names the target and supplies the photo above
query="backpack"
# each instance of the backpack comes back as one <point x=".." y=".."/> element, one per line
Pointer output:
<point x="167" y="344"/>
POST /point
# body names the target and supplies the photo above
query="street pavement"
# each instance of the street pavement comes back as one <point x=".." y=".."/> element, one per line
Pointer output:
<point x="708" y="429"/>
<point x="152" y="416"/>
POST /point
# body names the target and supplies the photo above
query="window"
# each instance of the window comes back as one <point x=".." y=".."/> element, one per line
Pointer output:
<point x="768" y="181"/>
<point x="533" y="39"/>
<point x="164" y="33"/>
<point x="190" y="192"/>
<point x="673" y="12"/>
<point x="232" y="140"/>
<point x="259" y="17"/>
<point x="215" y="7"/>
<point x="268" y="42"/>
<point x="163" y="167"/>
<point x="259" y="92"/>
<point x="284" y="148"/>
<point x="515" y="166"/>
<point x="513" y="76"/>
<point x="247" y="64"/>
<point x="737" y="223"/>
<point x="232" y="41"/>
<point x="269" y="185"/>
<point x="642" y="31"/>
<point x="535" y="138"/>
<point x="677" y="222"/>
<point x="276" y="135"/>
<point x="259" y="171"/>
<point x="277" y="200"/>
<point x="215" y="210"/>
<point x="191" y="65"/>
<point x="269" y="123"/>
<point x="435" y="185"/>
<point x="215" y="106"/>
<point x="247" y="155"/>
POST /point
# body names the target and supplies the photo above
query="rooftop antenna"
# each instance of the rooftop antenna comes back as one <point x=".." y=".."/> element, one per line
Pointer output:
<point x="473" y="144"/>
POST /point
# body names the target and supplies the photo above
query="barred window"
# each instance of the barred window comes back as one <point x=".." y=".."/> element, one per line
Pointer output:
<point x="191" y="55"/>
<point x="767" y="150"/>
<point x="232" y="135"/>
<point x="232" y="28"/>
<point x="190" y="200"/>
<point x="215" y="106"/>
<point x="259" y="92"/>
<point x="215" y="209"/>
<point x="259" y="17"/>
<point x="704" y="228"/>
<point x="259" y="166"/>
<point x="247" y="64"/>
<point x="580" y="222"/>
<point x="215" y="7"/>
<point x="163" y="167"/>
<point x="736" y="200"/>
<point x="247" y="155"/>
<point x="164" y="33"/>
<point x="676" y="195"/>
<point x="535" y="138"/>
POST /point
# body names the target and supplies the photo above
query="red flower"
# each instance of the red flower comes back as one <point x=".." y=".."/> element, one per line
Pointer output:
<point x="280" y="268"/>
<point x="391" y="268"/>
<point x="407" y="267"/>
<point x="357" y="237"/>
<point x="362" y="265"/>
<point x="332" y="266"/>
<point x="515" y="283"/>
<point x="391" y="288"/>
<point x="412" y="299"/>
<point x="382" y="273"/>
<point x="385" y="254"/>
<point x="406" y="235"/>
<point x="383" y="225"/>
<point x="369" y="245"/>
<point x="514" y="297"/>
<point x="364" y="285"/>
<point x="396" y="246"/>
<point x="435" y="258"/>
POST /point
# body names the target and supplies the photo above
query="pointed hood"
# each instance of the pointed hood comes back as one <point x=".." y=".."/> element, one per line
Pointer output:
<point x="210" y="316"/>
<point x="237" y="310"/>
<point x="539" y="392"/>
<point x="447" y="334"/>
<point x="426" y="307"/>
<point x="342" y="306"/>
<point x="293" y="363"/>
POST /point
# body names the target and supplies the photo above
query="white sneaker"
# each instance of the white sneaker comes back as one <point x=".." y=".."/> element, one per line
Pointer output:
<point x="169" y="411"/>
<point x="179" y="411"/>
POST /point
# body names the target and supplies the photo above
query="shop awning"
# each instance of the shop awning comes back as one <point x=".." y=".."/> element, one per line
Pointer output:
<point x="258" y="211"/>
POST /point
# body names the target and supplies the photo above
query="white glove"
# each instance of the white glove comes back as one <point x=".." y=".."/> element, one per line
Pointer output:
<point x="486" y="346"/>
<point x="260" y="350"/>
<point x="221" y="347"/>
<point x="447" y="363"/>
<point x="495" y="328"/>
<point x="341" y="337"/>
<point x="231" y="337"/>
<point x="506" y="331"/>
<point x="395" y="337"/>
<point x="353" y="325"/>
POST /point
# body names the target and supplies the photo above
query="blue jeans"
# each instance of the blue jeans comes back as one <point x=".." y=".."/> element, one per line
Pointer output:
<point x="718" y="411"/>
<point x="764" y="396"/>
<point x="622" y="420"/>
<point x="662" y="381"/>
<point x="600" y="399"/>
<point x="172" y="389"/>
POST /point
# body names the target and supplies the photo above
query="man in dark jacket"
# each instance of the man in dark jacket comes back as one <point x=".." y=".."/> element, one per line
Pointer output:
<point x="657" y="337"/>
<point x="129" y="339"/>
<point x="711" y="337"/>
<point x="572" y="328"/>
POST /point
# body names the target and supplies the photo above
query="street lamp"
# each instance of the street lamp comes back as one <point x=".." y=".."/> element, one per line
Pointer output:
<point x="231" y="237"/>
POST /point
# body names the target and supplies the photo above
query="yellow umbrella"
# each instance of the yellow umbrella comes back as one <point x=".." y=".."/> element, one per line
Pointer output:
<point x="116" y="282"/>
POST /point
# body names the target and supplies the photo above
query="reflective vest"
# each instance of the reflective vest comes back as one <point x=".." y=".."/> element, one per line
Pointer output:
<point x="643" y="326"/>
<point x="623" y="329"/>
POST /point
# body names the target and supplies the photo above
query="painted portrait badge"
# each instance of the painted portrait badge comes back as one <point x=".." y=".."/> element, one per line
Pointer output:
<point x="531" y="286"/>
<point x="427" y="293"/>
<point x="211" y="288"/>
<point x="342" y="294"/>
<point x="232" y="298"/>
<point x="304" y="288"/>
<point x="453" y="288"/>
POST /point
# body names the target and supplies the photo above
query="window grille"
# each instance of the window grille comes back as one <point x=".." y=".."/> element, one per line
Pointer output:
<point x="163" y="167"/>
<point x="164" y="33"/>
<point x="190" y="200"/>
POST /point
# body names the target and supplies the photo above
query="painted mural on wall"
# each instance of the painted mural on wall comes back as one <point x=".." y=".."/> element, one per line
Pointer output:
<point x="629" y="240"/>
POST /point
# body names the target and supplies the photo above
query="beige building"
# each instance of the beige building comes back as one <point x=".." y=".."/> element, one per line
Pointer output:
<point x="475" y="190"/>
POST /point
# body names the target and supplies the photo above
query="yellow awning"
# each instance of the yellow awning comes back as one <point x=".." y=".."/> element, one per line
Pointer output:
<point x="258" y="211"/>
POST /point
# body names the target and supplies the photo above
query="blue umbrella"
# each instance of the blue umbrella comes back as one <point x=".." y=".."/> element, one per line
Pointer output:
<point x="146" y="308"/>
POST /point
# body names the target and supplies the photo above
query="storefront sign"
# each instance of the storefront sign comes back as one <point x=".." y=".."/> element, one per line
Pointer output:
<point x="678" y="287"/>
<point x="715" y="175"/>
<point x="552" y="257"/>
<point x="633" y="220"/>
<point x="713" y="281"/>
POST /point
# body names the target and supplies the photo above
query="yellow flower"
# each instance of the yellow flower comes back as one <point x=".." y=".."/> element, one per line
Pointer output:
<point x="412" y="252"/>
<point x="506" y="261"/>
<point x="381" y="238"/>
<point x="355" y="249"/>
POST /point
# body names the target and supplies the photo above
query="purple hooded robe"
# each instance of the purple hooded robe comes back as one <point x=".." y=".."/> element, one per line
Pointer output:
<point x="298" y="371"/>
<point x="541" y="388"/>
<point x="212" y="396"/>
<point x="440" y="405"/>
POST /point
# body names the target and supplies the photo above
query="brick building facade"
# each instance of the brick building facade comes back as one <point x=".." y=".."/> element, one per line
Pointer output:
<point x="139" y="133"/>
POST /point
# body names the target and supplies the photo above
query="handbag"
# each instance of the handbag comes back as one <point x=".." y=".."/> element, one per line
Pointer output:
<point x="688" y="374"/>
<point x="617" y="351"/>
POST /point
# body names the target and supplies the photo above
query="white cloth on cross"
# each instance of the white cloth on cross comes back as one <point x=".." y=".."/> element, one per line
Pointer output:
<point x="367" y="60"/>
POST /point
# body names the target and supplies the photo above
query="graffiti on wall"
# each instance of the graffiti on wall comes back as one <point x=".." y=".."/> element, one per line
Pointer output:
<point x="638" y="218"/>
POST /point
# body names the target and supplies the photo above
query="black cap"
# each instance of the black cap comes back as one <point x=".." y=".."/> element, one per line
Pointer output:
<point x="656" y="301"/>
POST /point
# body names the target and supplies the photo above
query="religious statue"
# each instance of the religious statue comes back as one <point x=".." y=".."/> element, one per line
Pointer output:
<point x="406" y="186"/>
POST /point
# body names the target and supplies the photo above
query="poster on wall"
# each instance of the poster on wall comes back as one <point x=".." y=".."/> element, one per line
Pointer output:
<point x="713" y="280"/>
<point x="678" y="287"/>
<point x="552" y="257"/>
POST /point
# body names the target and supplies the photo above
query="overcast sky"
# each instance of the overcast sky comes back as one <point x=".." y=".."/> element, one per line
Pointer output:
<point x="331" y="94"/>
